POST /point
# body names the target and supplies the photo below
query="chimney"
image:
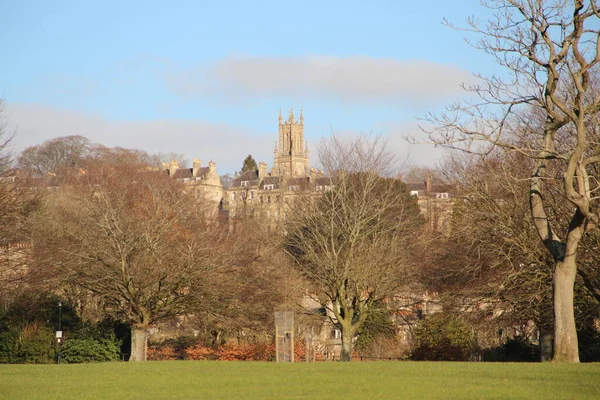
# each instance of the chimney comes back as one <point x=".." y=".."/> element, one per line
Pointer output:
<point x="195" y="167"/>
<point x="427" y="184"/>
<point x="173" y="167"/>
<point x="313" y="174"/>
<point x="262" y="170"/>
<point x="212" y="166"/>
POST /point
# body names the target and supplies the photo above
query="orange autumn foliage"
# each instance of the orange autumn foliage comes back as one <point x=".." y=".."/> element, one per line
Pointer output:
<point x="227" y="352"/>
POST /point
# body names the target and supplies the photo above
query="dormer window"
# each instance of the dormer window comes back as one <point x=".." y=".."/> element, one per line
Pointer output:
<point x="441" y="195"/>
<point x="244" y="183"/>
<point x="269" y="187"/>
<point x="414" y="193"/>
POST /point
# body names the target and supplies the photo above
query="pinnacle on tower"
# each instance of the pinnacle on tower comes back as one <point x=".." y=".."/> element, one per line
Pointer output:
<point x="280" y="117"/>
<point x="301" y="116"/>
<point x="291" y="117"/>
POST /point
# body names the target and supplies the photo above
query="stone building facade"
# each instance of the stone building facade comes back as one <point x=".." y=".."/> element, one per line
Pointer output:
<point x="264" y="194"/>
<point x="204" y="181"/>
<point x="436" y="202"/>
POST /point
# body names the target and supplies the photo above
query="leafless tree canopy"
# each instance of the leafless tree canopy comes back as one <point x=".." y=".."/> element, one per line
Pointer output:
<point x="17" y="201"/>
<point x="132" y="238"/>
<point x="551" y="53"/>
<point x="353" y="242"/>
<point x="55" y="154"/>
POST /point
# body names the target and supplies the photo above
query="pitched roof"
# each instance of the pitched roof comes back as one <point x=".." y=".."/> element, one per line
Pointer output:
<point x="202" y="172"/>
<point x="250" y="176"/>
<point x="182" y="173"/>
<point x="298" y="181"/>
<point x="271" y="180"/>
<point x="421" y="187"/>
<point x="323" y="181"/>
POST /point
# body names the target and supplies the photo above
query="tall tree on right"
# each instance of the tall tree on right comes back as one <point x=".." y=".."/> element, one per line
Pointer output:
<point x="550" y="51"/>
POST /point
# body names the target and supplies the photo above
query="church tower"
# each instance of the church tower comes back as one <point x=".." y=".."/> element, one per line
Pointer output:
<point x="291" y="152"/>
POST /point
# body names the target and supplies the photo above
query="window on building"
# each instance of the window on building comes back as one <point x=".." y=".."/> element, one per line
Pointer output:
<point x="244" y="183"/>
<point x="251" y="195"/>
<point x="269" y="187"/>
<point x="294" y="187"/>
<point x="336" y="334"/>
<point x="233" y="195"/>
<point x="414" y="193"/>
<point x="441" y="195"/>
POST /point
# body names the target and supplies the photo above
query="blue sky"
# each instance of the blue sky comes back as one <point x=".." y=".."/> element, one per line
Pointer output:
<point x="207" y="79"/>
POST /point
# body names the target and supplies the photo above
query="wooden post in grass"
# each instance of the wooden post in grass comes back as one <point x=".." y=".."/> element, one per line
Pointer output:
<point x="284" y="336"/>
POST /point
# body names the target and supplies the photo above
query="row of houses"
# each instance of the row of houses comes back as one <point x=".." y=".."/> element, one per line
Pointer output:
<point x="264" y="191"/>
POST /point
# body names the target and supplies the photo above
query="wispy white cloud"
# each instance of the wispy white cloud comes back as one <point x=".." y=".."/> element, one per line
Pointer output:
<point x="352" y="79"/>
<point x="227" y="145"/>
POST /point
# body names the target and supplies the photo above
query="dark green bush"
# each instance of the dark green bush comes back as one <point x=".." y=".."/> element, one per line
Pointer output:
<point x="90" y="350"/>
<point x="34" y="344"/>
<point x="443" y="338"/>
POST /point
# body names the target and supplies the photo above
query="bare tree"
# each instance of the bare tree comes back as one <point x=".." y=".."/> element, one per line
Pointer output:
<point x="550" y="50"/>
<point x="492" y="263"/>
<point x="132" y="238"/>
<point x="53" y="155"/>
<point x="17" y="200"/>
<point x="353" y="241"/>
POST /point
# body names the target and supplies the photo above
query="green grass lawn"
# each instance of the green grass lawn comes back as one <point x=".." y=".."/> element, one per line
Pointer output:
<point x="325" y="380"/>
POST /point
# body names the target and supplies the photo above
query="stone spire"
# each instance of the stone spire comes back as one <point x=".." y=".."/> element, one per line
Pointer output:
<point x="301" y="116"/>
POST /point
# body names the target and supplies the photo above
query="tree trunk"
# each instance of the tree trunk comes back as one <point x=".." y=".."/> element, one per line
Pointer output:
<point x="347" y="345"/>
<point x="139" y="343"/>
<point x="565" y="332"/>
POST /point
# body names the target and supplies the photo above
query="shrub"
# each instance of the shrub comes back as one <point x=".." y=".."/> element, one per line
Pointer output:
<point x="32" y="344"/>
<point x="443" y="337"/>
<point x="90" y="350"/>
<point x="162" y="353"/>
